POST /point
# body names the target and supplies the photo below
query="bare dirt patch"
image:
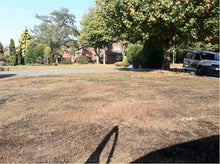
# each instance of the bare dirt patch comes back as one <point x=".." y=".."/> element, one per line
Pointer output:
<point x="117" y="120"/>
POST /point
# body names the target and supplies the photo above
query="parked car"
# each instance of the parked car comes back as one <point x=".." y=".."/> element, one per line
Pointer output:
<point x="203" y="62"/>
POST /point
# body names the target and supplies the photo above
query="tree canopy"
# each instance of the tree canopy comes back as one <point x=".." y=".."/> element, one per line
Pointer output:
<point x="169" y="21"/>
<point x="166" y="23"/>
<point x="94" y="31"/>
<point x="56" y="30"/>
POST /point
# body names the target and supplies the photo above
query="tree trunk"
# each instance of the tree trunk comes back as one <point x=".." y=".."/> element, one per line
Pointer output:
<point x="97" y="52"/>
<point x="104" y="57"/>
<point x="123" y="54"/>
<point x="57" y="59"/>
<point x="166" y="61"/>
<point x="124" y="46"/>
<point x="19" y="58"/>
<point x="97" y="58"/>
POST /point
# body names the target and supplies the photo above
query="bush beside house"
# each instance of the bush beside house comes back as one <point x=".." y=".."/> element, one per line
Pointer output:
<point x="82" y="60"/>
<point x="134" y="54"/>
<point x="119" y="64"/>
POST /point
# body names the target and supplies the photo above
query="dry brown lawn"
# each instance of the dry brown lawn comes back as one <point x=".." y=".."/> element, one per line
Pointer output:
<point x="120" y="119"/>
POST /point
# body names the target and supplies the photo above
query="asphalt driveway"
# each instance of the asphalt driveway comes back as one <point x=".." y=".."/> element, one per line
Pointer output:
<point x="63" y="71"/>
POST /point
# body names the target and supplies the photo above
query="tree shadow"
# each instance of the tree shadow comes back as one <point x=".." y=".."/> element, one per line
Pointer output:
<point x="6" y="75"/>
<point x="95" y="156"/>
<point x="194" y="72"/>
<point x="137" y="69"/>
<point x="205" y="150"/>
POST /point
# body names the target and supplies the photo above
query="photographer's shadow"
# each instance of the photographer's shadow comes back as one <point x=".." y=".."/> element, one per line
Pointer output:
<point x="95" y="156"/>
<point x="204" y="150"/>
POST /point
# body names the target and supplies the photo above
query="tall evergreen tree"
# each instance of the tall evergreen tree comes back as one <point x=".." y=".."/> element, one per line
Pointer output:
<point x="22" y="46"/>
<point x="12" y="53"/>
<point x="1" y="48"/>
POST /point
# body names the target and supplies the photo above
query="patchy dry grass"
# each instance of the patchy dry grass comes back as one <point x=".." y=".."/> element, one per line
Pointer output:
<point x="60" y="66"/>
<point x="152" y="110"/>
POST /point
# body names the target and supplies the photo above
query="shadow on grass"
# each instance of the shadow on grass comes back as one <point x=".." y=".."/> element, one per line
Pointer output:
<point x="177" y="70"/>
<point x="95" y="156"/>
<point x="193" y="72"/>
<point x="6" y="75"/>
<point x="205" y="150"/>
<point x="136" y="69"/>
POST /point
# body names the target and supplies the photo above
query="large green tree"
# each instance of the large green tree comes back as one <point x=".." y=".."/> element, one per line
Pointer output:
<point x="22" y="46"/>
<point x="56" y="30"/>
<point x="165" y="23"/>
<point x="94" y="32"/>
<point x="12" y="53"/>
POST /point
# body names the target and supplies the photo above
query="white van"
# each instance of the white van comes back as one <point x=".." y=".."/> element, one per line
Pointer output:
<point x="203" y="62"/>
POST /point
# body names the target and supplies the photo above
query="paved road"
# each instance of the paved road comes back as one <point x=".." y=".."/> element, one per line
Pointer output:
<point x="63" y="71"/>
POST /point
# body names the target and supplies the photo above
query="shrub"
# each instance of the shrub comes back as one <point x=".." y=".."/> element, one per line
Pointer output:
<point x="82" y="60"/>
<point x="119" y="64"/>
<point x="13" y="60"/>
<point x="151" y="57"/>
<point x="180" y="56"/>
<point x="29" y="56"/>
<point x="35" y="53"/>
<point x="134" y="54"/>
<point x="65" y="61"/>
<point x="125" y="61"/>
<point x="3" y="57"/>
<point x="4" y="69"/>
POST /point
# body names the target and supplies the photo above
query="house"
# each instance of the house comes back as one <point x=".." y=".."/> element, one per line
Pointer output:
<point x="113" y="53"/>
<point x="65" y="53"/>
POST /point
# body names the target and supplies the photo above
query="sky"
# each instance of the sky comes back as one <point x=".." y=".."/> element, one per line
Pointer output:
<point x="16" y="14"/>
